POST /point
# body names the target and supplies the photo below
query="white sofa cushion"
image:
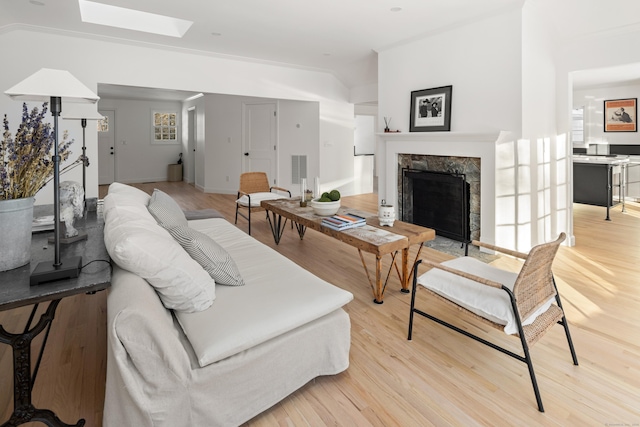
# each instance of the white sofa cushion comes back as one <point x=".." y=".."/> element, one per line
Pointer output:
<point x="210" y="255"/>
<point x="130" y="193"/>
<point x="165" y="210"/>
<point x="138" y="244"/>
<point x="278" y="297"/>
<point x="256" y="198"/>
<point x="491" y="303"/>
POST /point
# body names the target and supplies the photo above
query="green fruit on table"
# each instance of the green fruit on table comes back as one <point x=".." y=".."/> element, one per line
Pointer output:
<point x="334" y="195"/>
<point x="324" y="199"/>
<point x="325" y="195"/>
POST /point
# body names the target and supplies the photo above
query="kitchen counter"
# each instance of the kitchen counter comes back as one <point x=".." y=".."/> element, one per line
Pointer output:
<point x="599" y="159"/>
<point x="594" y="177"/>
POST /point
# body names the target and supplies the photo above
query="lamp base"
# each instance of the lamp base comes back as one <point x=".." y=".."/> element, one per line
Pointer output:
<point x="47" y="272"/>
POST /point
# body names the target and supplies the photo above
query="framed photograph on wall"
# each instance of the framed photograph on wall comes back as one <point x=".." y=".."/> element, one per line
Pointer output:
<point x="621" y="115"/>
<point x="431" y="110"/>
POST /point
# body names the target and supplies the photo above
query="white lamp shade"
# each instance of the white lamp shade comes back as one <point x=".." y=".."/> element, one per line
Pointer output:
<point x="44" y="84"/>
<point x="81" y="111"/>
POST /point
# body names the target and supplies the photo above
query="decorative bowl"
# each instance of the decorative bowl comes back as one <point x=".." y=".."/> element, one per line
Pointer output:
<point x="325" y="208"/>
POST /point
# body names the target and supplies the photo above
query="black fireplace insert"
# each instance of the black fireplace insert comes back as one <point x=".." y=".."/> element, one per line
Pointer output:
<point x="438" y="200"/>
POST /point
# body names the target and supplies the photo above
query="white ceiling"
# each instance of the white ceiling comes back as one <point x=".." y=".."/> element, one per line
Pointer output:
<point x="341" y="36"/>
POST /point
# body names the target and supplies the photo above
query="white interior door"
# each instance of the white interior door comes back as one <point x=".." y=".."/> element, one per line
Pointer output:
<point x="259" y="139"/>
<point x="106" y="149"/>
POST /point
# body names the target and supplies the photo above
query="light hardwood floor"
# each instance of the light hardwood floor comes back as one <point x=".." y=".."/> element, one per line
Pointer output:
<point x="440" y="378"/>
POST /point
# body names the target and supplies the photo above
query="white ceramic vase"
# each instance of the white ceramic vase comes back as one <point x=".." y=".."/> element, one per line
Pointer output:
<point x="16" y="220"/>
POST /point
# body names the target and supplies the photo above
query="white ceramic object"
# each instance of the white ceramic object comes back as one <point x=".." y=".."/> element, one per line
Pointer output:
<point x="325" y="208"/>
<point x="386" y="214"/>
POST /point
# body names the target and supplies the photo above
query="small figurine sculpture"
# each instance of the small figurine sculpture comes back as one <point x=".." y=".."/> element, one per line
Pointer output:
<point x="71" y="206"/>
<point x="386" y="214"/>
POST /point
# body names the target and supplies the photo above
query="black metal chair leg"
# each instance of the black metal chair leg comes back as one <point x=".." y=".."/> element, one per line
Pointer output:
<point x="249" y="220"/>
<point x="565" y="325"/>
<point x="532" y="374"/>
<point x="413" y="297"/>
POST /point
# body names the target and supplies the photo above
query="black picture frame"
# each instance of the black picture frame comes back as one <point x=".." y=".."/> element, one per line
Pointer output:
<point x="431" y="110"/>
<point x="621" y="115"/>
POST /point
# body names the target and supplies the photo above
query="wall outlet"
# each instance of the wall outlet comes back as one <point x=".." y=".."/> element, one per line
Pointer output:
<point x="227" y="178"/>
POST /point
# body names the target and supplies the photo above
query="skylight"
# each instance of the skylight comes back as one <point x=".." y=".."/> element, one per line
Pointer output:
<point x="120" y="17"/>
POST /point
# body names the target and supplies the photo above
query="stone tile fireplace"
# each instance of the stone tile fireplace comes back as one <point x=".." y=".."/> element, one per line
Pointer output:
<point x="473" y="154"/>
<point x="466" y="169"/>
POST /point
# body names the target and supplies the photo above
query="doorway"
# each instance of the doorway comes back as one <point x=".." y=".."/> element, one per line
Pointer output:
<point x="106" y="148"/>
<point x="259" y="139"/>
<point x="191" y="145"/>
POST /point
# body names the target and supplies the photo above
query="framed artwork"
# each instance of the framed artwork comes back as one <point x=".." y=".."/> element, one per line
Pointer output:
<point x="621" y="115"/>
<point x="431" y="110"/>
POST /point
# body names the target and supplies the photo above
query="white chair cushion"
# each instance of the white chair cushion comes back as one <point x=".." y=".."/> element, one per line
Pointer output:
<point x="210" y="255"/>
<point x="138" y="244"/>
<point x="256" y="198"/>
<point x="491" y="303"/>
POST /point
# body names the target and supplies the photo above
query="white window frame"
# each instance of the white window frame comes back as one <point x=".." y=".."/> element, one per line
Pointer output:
<point x="165" y="127"/>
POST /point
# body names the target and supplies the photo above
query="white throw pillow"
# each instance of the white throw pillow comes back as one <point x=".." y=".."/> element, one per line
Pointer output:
<point x="210" y="255"/>
<point x="165" y="210"/>
<point x="256" y="198"/>
<point x="138" y="244"/>
<point x="491" y="303"/>
<point x="131" y="193"/>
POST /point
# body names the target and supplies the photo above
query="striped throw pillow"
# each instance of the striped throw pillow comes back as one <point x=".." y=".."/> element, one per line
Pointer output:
<point x="166" y="210"/>
<point x="210" y="255"/>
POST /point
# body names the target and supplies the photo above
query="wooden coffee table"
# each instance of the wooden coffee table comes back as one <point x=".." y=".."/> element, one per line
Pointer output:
<point x="371" y="238"/>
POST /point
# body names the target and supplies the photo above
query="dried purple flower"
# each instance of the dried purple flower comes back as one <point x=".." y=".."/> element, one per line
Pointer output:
<point x="26" y="163"/>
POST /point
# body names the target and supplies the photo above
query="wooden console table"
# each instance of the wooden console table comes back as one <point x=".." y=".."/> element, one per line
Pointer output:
<point x="15" y="291"/>
<point x="371" y="238"/>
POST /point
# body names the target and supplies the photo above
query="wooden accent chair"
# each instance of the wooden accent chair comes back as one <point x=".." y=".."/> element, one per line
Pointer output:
<point x="518" y="303"/>
<point x="254" y="188"/>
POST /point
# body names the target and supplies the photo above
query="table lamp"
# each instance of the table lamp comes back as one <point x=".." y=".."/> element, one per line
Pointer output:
<point x="55" y="86"/>
<point x="82" y="112"/>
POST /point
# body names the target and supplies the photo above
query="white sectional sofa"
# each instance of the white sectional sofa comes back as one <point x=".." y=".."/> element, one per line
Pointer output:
<point x="220" y="354"/>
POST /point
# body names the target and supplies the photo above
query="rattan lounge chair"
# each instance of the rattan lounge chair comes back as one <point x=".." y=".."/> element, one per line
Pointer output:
<point x="525" y="304"/>
<point x="254" y="188"/>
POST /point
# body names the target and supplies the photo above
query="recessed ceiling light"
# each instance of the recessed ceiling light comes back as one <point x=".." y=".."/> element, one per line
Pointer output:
<point x="326" y="54"/>
<point x="395" y="9"/>
<point x="120" y="17"/>
<point x="36" y="2"/>
<point x="216" y="34"/>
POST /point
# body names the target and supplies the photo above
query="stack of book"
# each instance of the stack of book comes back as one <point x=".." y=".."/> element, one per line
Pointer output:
<point x="343" y="221"/>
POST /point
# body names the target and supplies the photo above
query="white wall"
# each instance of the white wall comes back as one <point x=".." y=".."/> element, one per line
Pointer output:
<point x="541" y="209"/>
<point x="137" y="158"/>
<point x="503" y="74"/>
<point x="298" y="134"/>
<point x="95" y="61"/>
<point x="600" y="50"/>
<point x="593" y="102"/>
<point x="482" y="61"/>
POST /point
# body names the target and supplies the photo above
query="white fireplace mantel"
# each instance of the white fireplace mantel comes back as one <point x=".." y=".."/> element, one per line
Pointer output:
<point x="461" y="144"/>
<point x="472" y="137"/>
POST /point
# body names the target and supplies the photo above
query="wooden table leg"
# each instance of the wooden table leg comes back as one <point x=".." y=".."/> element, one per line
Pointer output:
<point x="378" y="287"/>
